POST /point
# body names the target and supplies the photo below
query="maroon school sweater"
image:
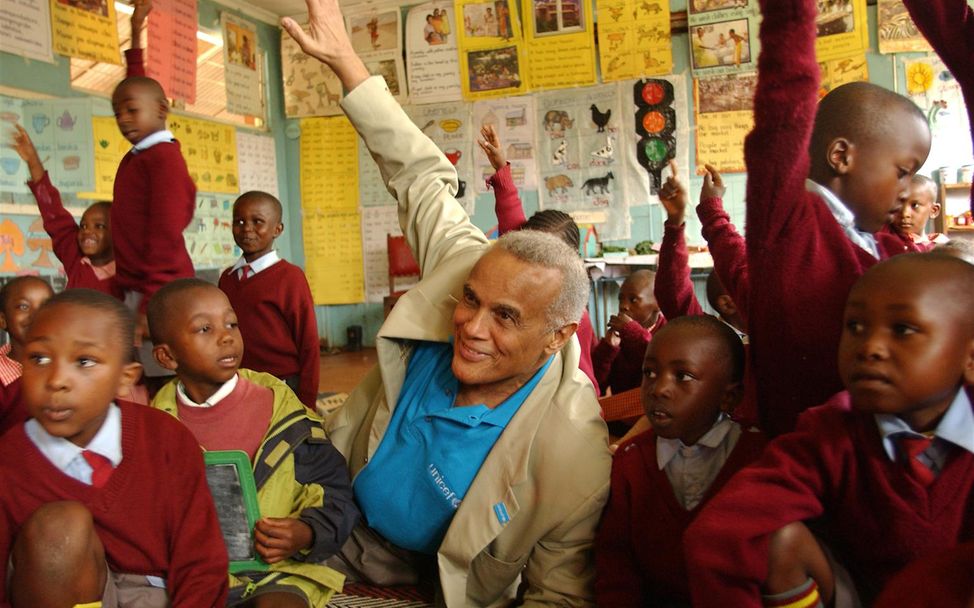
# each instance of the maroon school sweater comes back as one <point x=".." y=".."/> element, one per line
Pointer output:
<point x="639" y="546"/>
<point x="948" y="25"/>
<point x="869" y="510"/>
<point x="62" y="228"/>
<point x="621" y="367"/>
<point x="728" y="248"/>
<point x="801" y="265"/>
<point x="278" y="324"/>
<point x="12" y="411"/>
<point x="155" y="516"/>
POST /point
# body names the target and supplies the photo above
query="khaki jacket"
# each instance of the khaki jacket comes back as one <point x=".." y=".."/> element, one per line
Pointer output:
<point x="550" y="467"/>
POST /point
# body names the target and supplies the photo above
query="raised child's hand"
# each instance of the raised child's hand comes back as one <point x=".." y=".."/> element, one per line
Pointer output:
<point x="673" y="196"/>
<point x="28" y="153"/>
<point x="142" y="10"/>
<point x="278" y="538"/>
<point x="713" y="184"/>
<point x="492" y="147"/>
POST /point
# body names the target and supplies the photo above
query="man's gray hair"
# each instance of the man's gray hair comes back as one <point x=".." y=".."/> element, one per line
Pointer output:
<point x="549" y="251"/>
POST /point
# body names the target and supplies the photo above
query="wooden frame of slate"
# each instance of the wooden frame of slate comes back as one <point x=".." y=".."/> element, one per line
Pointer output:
<point x="231" y="482"/>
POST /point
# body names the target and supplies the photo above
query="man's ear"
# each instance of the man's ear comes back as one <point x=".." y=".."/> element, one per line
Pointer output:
<point x="840" y="155"/>
<point x="560" y="337"/>
<point x="164" y="357"/>
<point x="131" y="372"/>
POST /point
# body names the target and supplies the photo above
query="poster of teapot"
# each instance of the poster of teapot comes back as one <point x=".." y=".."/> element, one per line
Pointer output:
<point x="61" y="132"/>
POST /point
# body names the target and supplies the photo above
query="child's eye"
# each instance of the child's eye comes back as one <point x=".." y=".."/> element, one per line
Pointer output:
<point x="86" y="362"/>
<point x="902" y="329"/>
<point x="650" y="373"/>
<point x="853" y="327"/>
<point x="203" y="329"/>
<point x="37" y="359"/>
<point x="685" y="376"/>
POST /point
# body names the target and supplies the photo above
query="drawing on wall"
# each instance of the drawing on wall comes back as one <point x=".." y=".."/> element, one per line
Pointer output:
<point x="374" y="31"/>
<point x="896" y="31"/>
<point x="834" y="17"/>
<point x="704" y="6"/>
<point x="494" y="69"/>
<point x="95" y="7"/>
<point x="488" y="20"/>
<point x="726" y="94"/>
<point x="721" y="44"/>
<point x="431" y="53"/>
<point x="557" y="16"/>
<point x="310" y="87"/>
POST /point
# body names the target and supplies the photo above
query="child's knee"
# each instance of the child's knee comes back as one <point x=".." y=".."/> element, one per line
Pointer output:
<point x="61" y="532"/>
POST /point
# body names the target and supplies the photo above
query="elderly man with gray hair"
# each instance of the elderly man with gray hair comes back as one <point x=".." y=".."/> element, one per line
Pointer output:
<point x="476" y="445"/>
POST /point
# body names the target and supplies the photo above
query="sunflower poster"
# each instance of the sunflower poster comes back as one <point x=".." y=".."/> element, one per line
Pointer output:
<point x="935" y="90"/>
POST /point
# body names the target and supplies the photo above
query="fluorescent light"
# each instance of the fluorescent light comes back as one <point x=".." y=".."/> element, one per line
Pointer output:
<point x="214" y="39"/>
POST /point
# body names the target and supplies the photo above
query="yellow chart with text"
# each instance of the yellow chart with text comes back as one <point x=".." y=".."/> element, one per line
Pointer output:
<point x="333" y="256"/>
<point x="492" y="58"/>
<point x="109" y="147"/>
<point x="558" y="43"/>
<point x="724" y="118"/>
<point x="210" y="150"/>
<point x="842" y="30"/>
<point x="85" y="29"/>
<point x="634" y="38"/>
<point x="329" y="165"/>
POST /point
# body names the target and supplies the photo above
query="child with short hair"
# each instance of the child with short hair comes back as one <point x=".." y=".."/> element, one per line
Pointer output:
<point x="918" y="208"/>
<point x="884" y="470"/>
<point x="85" y="251"/>
<point x="20" y="298"/>
<point x="661" y="479"/>
<point x="303" y="489"/>
<point x="824" y="179"/>
<point x="272" y="299"/>
<point x="103" y="500"/>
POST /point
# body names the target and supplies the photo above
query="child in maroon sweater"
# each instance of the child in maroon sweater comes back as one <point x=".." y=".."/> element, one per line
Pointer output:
<point x="918" y="208"/>
<point x="101" y="500"/>
<point x="662" y="478"/>
<point x="85" y="251"/>
<point x="808" y="240"/>
<point x="272" y="299"/>
<point x="19" y="300"/>
<point x="884" y="472"/>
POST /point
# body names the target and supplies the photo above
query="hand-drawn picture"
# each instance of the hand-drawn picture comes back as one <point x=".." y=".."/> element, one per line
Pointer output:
<point x="241" y="48"/>
<point x="387" y="69"/>
<point x="721" y="44"/>
<point x="437" y="29"/>
<point x="374" y="31"/>
<point x="705" y="6"/>
<point x="834" y="17"/>
<point x="98" y="7"/>
<point x="558" y="16"/>
<point x="487" y="19"/>
<point x="494" y="69"/>
<point x="896" y="30"/>
<point x="730" y="93"/>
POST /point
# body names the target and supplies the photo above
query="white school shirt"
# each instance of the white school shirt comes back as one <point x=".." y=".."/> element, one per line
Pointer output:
<point x="844" y="217"/>
<point x="956" y="427"/>
<point x="262" y="263"/>
<point x="691" y="469"/>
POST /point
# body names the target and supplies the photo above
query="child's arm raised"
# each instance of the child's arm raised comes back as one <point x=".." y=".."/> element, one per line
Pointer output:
<point x="727" y="246"/>
<point x="674" y="289"/>
<point x="776" y="150"/>
<point x="134" y="62"/>
<point x="507" y="204"/>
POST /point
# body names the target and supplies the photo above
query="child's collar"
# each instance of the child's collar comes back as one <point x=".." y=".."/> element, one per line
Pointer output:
<point x="150" y="140"/>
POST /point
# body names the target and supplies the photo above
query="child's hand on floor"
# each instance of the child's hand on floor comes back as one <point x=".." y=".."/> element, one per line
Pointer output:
<point x="492" y="147"/>
<point x="278" y="538"/>
<point x="28" y="153"/>
<point x="673" y="196"/>
<point x="713" y="184"/>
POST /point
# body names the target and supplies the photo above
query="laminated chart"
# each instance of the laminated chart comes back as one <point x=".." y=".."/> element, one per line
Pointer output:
<point x="209" y="236"/>
<point x="329" y="206"/>
<point x="172" y="48"/>
<point x="85" y="29"/>
<point x="375" y="35"/>
<point x="896" y="31"/>
<point x="660" y="117"/>
<point x="492" y="59"/>
<point x="257" y="163"/>
<point x="723" y="36"/>
<point x="372" y="192"/>
<point x="837" y="72"/>
<point x="310" y="87"/>
<point x="241" y="72"/>
<point x="25" y="29"/>
<point x="555" y="30"/>
<point x="634" y="38"/>
<point x="210" y="150"/>
<point x="377" y="224"/>
<point x="431" y="52"/>
<point x="842" y="29"/>
<point x="110" y="146"/>
<point x="724" y="117"/>
<point x="513" y="119"/>
<point x="449" y="126"/>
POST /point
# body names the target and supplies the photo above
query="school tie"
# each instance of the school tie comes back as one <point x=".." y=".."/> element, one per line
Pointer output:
<point x="101" y="467"/>
<point x="912" y="446"/>
<point x="245" y="271"/>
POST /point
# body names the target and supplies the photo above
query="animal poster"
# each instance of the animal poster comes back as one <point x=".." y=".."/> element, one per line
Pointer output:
<point x="310" y="87"/>
<point x="333" y="254"/>
<point x="329" y="165"/>
<point x="724" y="115"/>
<point x="723" y="36"/>
<point x="371" y="190"/>
<point x="431" y="51"/>
<point x="25" y="29"/>
<point x="554" y="30"/>
<point x="450" y="128"/>
<point x="61" y="132"/>
<point x="492" y="58"/>
<point x="110" y="146"/>
<point x="377" y="223"/>
<point x="376" y="38"/>
<point x="257" y="163"/>
<point x="582" y="138"/>
<point x="209" y="237"/>
<point x="85" y="29"/>
<point x="513" y="120"/>
<point x="837" y="72"/>
<point x="241" y="72"/>
<point x="842" y="29"/>
<point x="210" y="150"/>
<point x="172" y="47"/>
<point x="642" y="187"/>
<point x="634" y="38"/>
<point x="896" y="31"/>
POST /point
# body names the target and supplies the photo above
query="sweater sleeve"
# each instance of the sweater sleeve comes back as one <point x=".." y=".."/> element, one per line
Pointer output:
<point x="728" y="249"/>
<point x="304" y="326"/>
<point x="603" y="356"/>
<point x="58" y="223"/>
<point x="134" y="64"/>
<point x="635" y="337"/>
<point x="618" y="581"/>
<point x="674" y="289"/>
<point x="507" y="203"/>
<point x="332" y="522"/>
<point x="776" y="150"/>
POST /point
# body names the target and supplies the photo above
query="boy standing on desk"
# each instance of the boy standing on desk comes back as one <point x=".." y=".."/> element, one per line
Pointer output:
<point x="824" y="180"/>
<point x="272" y="299"/>
<point x="303" y="489"/>
<point x="104" y="502"/>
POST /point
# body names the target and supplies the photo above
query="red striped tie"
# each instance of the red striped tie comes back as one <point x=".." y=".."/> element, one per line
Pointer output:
<point x="912" y="447"/>
<point x="101" y="467"/>
<point x="245" y="271"/>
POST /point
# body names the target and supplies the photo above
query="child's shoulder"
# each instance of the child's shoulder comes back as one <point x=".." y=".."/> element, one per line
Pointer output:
<point x="635" y="448"/>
